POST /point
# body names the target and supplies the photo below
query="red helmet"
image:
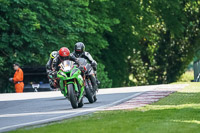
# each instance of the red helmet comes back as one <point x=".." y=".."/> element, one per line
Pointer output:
<point x="64" y="53"/>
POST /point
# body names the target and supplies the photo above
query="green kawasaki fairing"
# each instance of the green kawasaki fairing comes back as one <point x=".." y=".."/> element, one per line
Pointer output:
<point x="71" y="83"/>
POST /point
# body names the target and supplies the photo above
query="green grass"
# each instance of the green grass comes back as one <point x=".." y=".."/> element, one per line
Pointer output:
<point x="177" y="113"/>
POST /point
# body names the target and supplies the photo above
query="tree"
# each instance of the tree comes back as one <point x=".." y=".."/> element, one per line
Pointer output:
<point x="154" y="41"/>
<point x="30" y="30"/>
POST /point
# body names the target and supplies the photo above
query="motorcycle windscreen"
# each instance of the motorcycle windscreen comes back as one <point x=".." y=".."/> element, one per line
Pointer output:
<point x="66" y="66"/>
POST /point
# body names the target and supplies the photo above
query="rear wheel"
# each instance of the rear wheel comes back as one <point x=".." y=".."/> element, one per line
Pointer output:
<point x="94" y="87"/>
<point x="94" y="83"/>
<point x="72" y="96"/>
<point x="89" y="93"/>
<point x="95" y="98"/>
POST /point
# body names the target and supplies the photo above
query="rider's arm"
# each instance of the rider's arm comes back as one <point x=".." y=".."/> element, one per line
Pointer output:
<point x="73" y="54"/>
<point x="90" y="59"/>
<point x="55" y="64"/>
<point x="49" y="64"/>
<point x="73" y="58"/>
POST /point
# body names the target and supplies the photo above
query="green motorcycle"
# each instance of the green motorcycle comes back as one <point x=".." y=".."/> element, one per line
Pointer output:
<point x="71" y="83"/>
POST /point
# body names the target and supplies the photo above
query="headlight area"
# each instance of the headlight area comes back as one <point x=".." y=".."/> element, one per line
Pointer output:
<point x="74" y="71"/>
<point x="62" y="74"/>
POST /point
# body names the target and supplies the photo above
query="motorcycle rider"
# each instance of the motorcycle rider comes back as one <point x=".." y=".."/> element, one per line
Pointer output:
<point x="49" y="69"/>
<point x="64" y="54"/>
<point x="79" y="52"/>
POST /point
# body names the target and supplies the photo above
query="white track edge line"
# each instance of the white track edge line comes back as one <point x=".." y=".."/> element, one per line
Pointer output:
<point x="64" y="116"/>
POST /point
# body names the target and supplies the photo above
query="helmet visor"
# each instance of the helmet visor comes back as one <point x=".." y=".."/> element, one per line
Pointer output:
<point x="78" y="49"/>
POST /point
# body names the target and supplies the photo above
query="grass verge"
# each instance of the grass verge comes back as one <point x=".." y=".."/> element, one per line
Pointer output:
<point x="177" y="113"/>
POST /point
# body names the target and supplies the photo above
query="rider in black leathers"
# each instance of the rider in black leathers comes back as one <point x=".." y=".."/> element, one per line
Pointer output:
<point x="79" y="52"/>
<point x="49" y="66"/>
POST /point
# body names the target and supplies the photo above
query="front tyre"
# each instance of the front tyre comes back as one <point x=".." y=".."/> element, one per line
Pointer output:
<point x="72" y="96"/>
<point x="80" y="104"/>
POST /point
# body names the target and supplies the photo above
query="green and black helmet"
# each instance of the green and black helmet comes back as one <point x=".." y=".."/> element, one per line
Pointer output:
<point x="54" y="54"/>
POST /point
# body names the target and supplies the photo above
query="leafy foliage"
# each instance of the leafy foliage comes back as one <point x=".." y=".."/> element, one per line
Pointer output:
<point x="138" y="42"/>
<point x="154" y="41"/>
<point x="30" y="30"/>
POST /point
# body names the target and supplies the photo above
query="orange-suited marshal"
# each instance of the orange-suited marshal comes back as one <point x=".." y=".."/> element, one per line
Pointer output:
<point x="18" y="79"/>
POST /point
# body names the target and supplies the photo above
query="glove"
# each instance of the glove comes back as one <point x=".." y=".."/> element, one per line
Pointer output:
<point x="50" y="76"/>
<point x="11" y="79"/>
<point x="94" y="64"/>
<point x="95" y="68"/>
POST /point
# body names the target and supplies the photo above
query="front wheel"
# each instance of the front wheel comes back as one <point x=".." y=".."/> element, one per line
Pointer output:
<point x="72" y="96"/>
<point x="80" y="104"/>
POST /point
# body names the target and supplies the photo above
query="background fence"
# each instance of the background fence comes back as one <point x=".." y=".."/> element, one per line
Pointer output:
<point x="197" y="71"/>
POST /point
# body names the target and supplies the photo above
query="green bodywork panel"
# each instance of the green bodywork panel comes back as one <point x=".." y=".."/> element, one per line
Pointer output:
<point x="75" y="73"/>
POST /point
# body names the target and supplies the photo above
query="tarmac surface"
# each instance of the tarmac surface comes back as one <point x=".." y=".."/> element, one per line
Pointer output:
<point x="27" y="109"/>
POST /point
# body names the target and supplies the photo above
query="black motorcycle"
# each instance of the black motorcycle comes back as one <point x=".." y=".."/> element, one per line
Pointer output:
<point x="90" y="81"/>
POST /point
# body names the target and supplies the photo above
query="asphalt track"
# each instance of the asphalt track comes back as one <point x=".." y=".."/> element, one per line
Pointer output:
<point x="26" y="109"/>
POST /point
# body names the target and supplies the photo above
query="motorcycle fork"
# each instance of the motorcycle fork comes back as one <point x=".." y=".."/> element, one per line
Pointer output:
<point x="65" y="88"/>
<point x="81" y="84"/>
<point x="61" y="84"/>
<point x="80" y="92"/>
